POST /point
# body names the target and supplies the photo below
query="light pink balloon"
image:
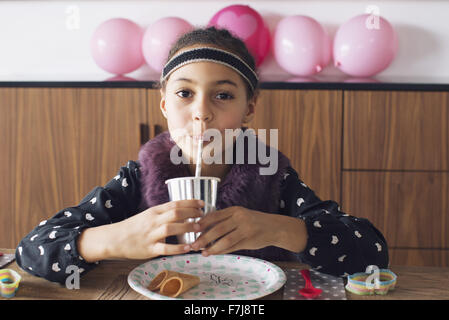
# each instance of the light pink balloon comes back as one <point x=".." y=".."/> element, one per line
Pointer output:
<point x="116" y="46"/>
<point x="301" y="46"/>
<point x="159" y="37"/>
<point x="361" y="80"/>
<point x="302" y="79"/>
<point x="248" y="25"/>
<point x="120" y="78"/>
<point x="365" y="45"/>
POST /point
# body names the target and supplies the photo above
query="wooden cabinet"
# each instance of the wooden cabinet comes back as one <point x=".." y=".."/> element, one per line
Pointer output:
<point x="58" y="144"/>
<point x="395" y="170"/>
<point x="383" y="155"/>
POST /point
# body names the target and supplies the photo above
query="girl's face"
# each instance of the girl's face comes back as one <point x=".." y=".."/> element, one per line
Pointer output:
<point x="201" y="96"/>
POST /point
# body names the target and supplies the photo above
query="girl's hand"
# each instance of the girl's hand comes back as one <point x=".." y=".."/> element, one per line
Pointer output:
<point x="239" y="228"/>
<point x="142" y="236"/>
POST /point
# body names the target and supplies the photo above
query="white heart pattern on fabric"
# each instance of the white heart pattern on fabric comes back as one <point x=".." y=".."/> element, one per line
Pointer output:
<point x="342" y="258"/>
<point x="317" y="224"/>
<point x="108" y="204"/>
<point x="117" y="177"/>
<point x="68" y="214"/>
<point x="20" y="250"/>
<point x="379" y="247"/>
<point x="89" y="217"/>
<point x="300" y="202"/>
<point x="41" y="250"/>
<point x="357" y="234"/>
<point x="52" y="235"/>
<point x="304" y="185"/>
<point x="33" y="237"/>
<point x="67" y="247"/>
<point x="93" y="200"/>
<point x="124" y="183"/>
<point x="282" y="204"/>
<point x="312" y="251"/>
<point x="55" y="267"/>
<point x="334" y="240"/>
<point x="43" y="222"/>
<point x="246" y="24"/>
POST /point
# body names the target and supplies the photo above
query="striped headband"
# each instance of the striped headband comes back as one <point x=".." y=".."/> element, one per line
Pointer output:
<point x="213" y="55"/>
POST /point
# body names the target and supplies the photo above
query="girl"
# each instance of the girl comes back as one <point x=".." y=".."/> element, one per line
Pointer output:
<point x="210" y="81"/>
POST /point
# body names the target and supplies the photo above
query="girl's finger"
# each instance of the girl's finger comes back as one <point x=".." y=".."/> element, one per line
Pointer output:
<point x="179" y="204"/>
<point x="214" y="217"/>
<point x="217" y="231"/>
<point x="169" y="249"/>
<point x="172" y="229"/>
<point x="230" y="243"/>
<point x="178" y="215"/>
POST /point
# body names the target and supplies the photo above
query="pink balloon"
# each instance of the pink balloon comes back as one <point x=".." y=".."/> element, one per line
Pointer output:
<point x="159" y="37"/>
<point x="248" y="25"/>
<point x="365" y="45"/>
<point x="116" y="46"/>
<point x="302" y="79"/>
<point x="120" y="78"/>
<point x="361" y="80"/>
<point x="301" y="45"/>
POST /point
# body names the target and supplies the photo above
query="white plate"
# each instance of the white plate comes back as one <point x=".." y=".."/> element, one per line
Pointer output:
<point x="223" y="277"/>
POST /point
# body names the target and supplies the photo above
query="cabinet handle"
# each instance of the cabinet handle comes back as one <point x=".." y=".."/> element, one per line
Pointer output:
<point x="144" y="133"/>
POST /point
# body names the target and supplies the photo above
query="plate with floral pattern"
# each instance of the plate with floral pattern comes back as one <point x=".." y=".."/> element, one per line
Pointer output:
<point x="222" y="277"/>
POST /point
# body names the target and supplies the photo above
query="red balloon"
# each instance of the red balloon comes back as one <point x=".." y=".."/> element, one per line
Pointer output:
<point x="248" y="25"/>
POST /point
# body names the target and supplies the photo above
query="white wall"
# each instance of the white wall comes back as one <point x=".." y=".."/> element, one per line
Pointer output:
<point x="37" y="41"/>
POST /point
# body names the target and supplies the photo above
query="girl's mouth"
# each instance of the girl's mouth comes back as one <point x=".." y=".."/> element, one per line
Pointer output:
<point x="197" y="137"/>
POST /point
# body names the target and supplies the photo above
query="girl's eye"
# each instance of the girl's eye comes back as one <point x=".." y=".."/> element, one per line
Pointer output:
<point x="225" y="96"/>
<point x="184" y="93"/>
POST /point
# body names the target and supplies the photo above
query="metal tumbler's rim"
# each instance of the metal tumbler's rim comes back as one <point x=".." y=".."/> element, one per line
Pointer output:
<point x="193" y="178"/>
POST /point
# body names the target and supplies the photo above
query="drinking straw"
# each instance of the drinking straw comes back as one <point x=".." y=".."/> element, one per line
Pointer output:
<point x="198" y="158"/>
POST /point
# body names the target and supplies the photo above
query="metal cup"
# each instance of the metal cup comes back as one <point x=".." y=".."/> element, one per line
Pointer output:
<point x="201" y="188"/>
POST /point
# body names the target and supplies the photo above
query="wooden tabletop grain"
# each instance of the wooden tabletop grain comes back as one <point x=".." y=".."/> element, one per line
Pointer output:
<point x="108" y="281"/>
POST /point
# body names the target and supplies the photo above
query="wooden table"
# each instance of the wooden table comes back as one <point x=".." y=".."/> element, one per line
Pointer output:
<point x="109" y="282"/>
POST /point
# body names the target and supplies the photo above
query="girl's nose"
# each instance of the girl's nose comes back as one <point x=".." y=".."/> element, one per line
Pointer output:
<point x="202" y="113"/>
<point x="202" y="117"/>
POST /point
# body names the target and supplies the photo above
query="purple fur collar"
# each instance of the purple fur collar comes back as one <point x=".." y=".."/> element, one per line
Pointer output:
<point x="243" y="185"/>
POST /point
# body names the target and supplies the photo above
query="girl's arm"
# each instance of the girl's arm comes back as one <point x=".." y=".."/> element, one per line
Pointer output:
<point x="337" y="243"/>
<point x="52" y="246"/>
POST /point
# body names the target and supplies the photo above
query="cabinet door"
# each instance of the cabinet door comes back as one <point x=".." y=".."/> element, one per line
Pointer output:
<point x="396" y="130"/>
<point x="409" y="208"/>
<point x="419" y="257"/>
<point x="109" y="132"/>
<point x="309" y="131"/>
<point x="39" y="160"/>
<point x="58" y="144"/>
